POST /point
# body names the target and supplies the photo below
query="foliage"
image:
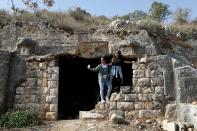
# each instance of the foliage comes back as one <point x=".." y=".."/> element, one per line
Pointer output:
<point x="59" y="20"/>
<point x="180" y="16"/>
<point x="124" y="17"/>
<point x="18" y="119"/>
<point x="137" y="15"/>
<point x="95" y="22"/>
<point x="194" y="21"/>
<point x="73" y="20"/>
<point x="33" y="4"/>
<point x="101" y="20"/>
<point x="133" y="16"/>
<point x="4" y="18"/>
<point x="3" y="13"/>
<point x="159" y="11"/>
<point x="70" y="21"/>
<point x="185" y="31"/>
<point x="149" y="24"/>
<point x="79" y="14"/>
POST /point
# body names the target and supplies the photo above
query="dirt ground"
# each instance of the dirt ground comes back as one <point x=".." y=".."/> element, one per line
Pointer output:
<point x="95" y="125"/>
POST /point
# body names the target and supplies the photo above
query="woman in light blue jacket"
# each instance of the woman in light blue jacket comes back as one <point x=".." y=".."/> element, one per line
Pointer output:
<point x="104" y="78"/>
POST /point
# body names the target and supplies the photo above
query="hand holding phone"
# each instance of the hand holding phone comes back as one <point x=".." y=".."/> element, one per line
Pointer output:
<point x="88" y="66"/>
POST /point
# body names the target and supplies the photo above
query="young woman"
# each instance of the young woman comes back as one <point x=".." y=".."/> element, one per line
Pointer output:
<point x="117" y="76"/>
<point x="104" y="78"/>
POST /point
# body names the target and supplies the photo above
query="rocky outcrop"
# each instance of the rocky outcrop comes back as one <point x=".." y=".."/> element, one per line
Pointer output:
<point x="186" y="84"/>
<point x="42" y="34"/>
<point x="186" y="113"/>
<point x="186" y="91"/>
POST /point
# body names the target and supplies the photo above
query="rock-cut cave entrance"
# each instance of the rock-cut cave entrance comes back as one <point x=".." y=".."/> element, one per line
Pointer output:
<point x="78" y="86"/>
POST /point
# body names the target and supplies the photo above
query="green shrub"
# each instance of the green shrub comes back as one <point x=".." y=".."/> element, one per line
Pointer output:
<point x="79" y="14"/>
<point x="148" y="24"/>
<point x="18" y="119"/>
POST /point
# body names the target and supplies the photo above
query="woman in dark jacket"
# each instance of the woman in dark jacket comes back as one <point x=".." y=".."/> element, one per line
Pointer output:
<point x="116" y="71"/>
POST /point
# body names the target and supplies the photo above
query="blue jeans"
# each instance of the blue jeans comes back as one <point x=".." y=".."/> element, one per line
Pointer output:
<point x="117" y="70"/>
<point x="102" y="83"/>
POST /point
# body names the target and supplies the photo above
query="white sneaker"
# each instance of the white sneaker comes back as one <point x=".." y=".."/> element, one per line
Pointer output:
<point x="102" y="101"/>
<point x="107" y="99"/>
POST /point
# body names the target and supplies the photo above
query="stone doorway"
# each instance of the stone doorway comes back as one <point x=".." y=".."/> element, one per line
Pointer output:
<point x="127" y="72"/>
<point x="78" y="87"/>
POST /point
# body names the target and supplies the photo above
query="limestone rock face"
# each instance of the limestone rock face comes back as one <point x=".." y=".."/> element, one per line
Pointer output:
<point x="26" y="45"/>
<point x="88" y="49"/>
<point x="186" y="82"/>
<point x="118" y="24"/>
<point x="128" y="48"/>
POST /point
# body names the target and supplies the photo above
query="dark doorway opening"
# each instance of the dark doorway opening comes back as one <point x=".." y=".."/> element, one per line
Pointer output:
<point x="127" y="72"/>
<point x="78" y="87"/>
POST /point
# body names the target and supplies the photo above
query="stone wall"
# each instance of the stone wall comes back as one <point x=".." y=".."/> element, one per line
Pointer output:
<point x="40" y="90"/>
<point x="161" y="71"/>
<point x="143" y="99"/>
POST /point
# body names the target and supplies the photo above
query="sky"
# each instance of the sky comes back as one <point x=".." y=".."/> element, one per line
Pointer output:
<point x="111" y="8"/>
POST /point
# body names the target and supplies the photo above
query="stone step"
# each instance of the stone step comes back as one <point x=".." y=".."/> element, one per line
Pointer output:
<point x="169" y="126"/>
<point x="90" y="115"/>
<point x="125" y="89"/>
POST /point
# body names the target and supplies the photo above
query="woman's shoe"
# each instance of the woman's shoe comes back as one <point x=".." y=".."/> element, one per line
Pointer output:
<point x="107" y="99"/>
<point x="102" y="101"/>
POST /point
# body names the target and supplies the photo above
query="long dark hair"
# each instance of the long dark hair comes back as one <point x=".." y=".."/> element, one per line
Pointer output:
<point x="119" y="55"/>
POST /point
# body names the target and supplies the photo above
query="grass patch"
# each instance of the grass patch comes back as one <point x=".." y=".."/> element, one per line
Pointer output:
<point x="18" y="119"/>
<point x="70" y="21"/>
<point x="184" y="32"/>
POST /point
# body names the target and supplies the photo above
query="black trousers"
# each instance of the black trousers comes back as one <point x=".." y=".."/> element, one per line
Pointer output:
<point x="116" y="83"/>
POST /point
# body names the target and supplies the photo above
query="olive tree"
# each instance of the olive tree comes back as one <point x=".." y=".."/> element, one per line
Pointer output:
<point x="159" y="11"/>
<point x="137" y="15"/>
